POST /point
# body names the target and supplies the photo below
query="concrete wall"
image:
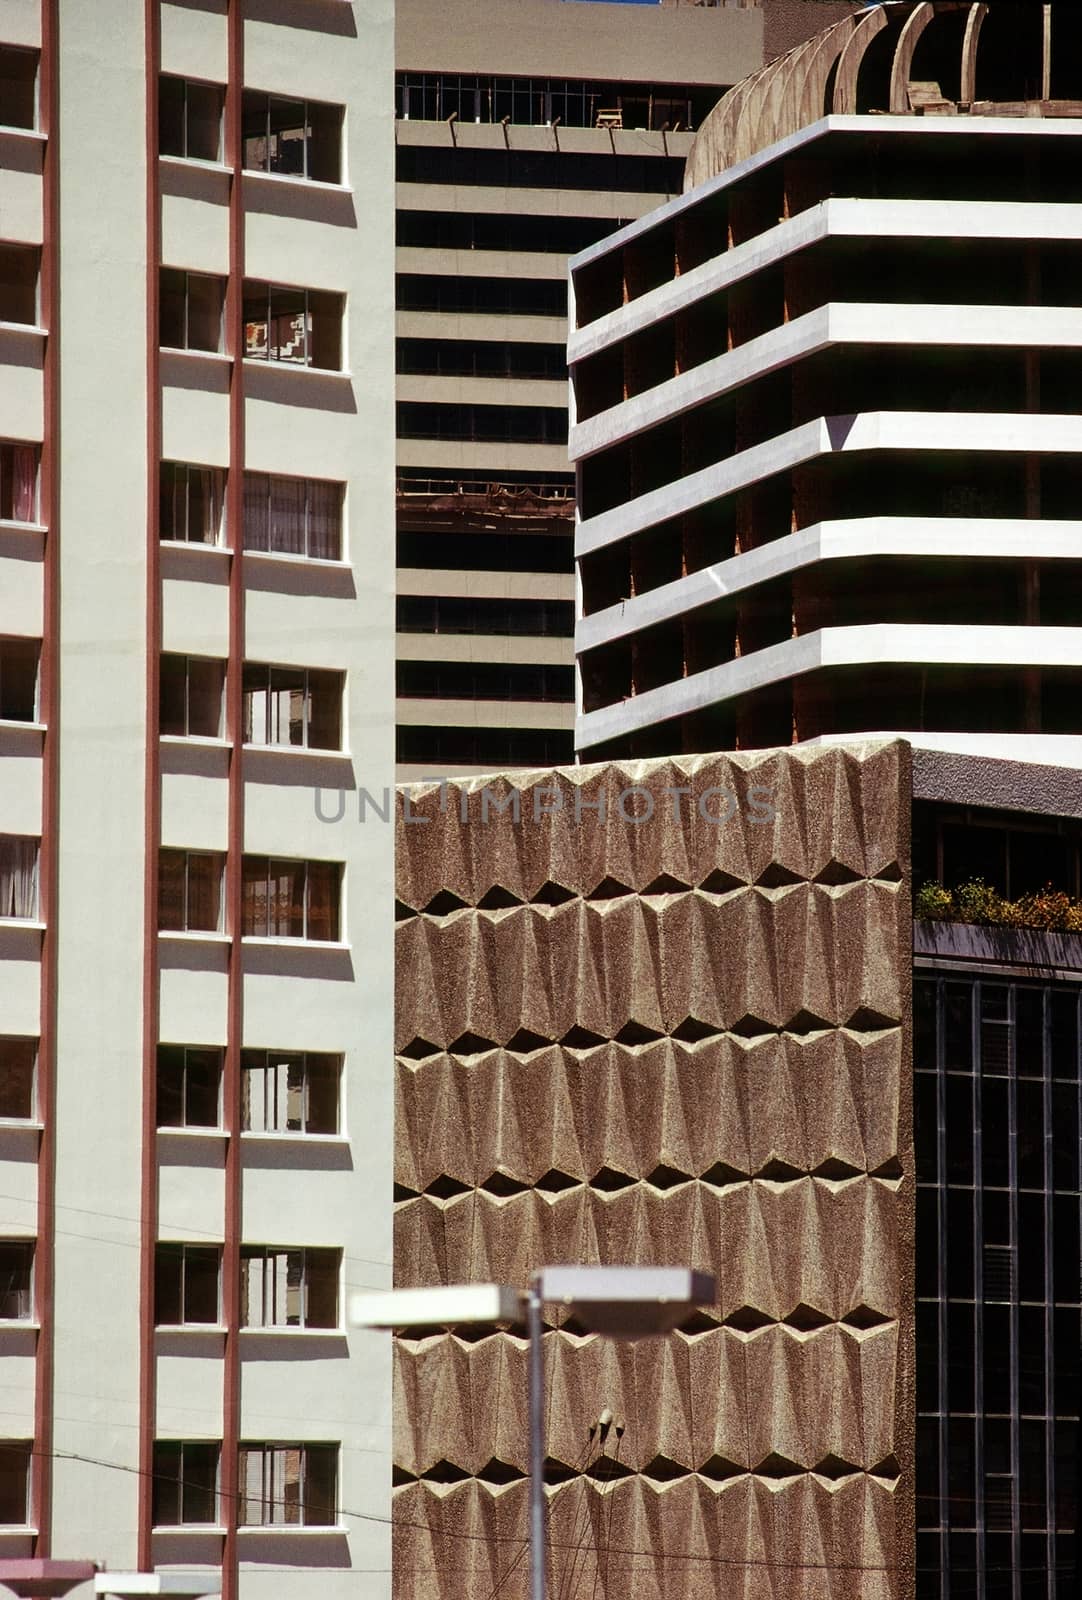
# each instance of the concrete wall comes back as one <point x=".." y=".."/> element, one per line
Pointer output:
<point x="676" y="1039"/>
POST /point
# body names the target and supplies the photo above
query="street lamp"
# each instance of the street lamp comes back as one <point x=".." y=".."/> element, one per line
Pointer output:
<point x="619" y="1302"/>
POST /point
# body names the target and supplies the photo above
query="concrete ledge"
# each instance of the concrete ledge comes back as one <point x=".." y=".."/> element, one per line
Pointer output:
<point x="1025" y="947"/>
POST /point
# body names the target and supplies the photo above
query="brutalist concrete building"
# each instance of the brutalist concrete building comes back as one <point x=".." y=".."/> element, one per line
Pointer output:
<point x="826" y="405"/>
<point x="677" y="1010"/>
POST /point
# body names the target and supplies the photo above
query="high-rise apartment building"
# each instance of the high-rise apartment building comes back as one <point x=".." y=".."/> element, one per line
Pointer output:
<point x="527" y="129"/>
<point x="826" y="410"/>
<point x="196" y="625"/>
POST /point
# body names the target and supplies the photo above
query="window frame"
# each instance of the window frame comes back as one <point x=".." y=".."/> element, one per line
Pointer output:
<point x="285" y="865"/>
<point x="276" y="1095"/>
<point x="249" y="691"/>
<point x="25" y="1290"/>
<point x="251" y="499"/>
<point x="184" y="1449"/>
<point x="211" y="661"/>
<point x="185" y="121"/>
<point x="34" y="915"/>
<point x="31" y="1045"/>
<point x="217" y="477"/>
<point x="187" y="348"/>
<point x="188" y="855"/>
<point x="306" y="104"/>
<point x="307" y="1259"/>
<point x="272" y="1468"/>
<point x="24" y="1448"/>
<point x="181" y="1251"/>
<point x="8" y="449"/>
<point x="34" y="125"/>
<point x="162" y="1063"/>
<point x="254" y="289"/>
<point x="29" y="647"/>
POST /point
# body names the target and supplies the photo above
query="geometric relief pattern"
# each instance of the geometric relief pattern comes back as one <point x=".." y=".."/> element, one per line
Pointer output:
<point x="682" y="1038"/>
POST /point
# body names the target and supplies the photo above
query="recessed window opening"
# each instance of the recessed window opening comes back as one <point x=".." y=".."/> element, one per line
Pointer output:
<point x="19" y="283"/>
<point x="289" y="1287"/>
<point x="18" y="87"/>
<point x="190" y="310"/>
<point x="189" y="891"/>
<point x="188" y="1086"/>
<point x="15" y="1457"/>
<point x="19" y="679"/>
<point x="298" y="138"/>
<point x="190" y="118"/>
<point x="185" y="1482"/>
<point x="18" y="877"/>
<point x="293" y="516"/>
<point x="18" y="482"/>
<point x="186" y="1278"/>
<point x="290" y="899"/>
<point x="16" y="1280"/>
<point x="18" y="1068"/>
<point x="293" y="706"/>
<point x="300" y="327"/>
<point x="191" y="502"/>
<point x="190" y="696"/>
<point x="288" y="1484"/>
<point x="286" y="1091"/>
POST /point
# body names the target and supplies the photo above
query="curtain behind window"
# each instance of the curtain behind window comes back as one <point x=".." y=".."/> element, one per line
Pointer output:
<point x="287" y="516"/>
<point x="256" y="511"/>
<point x="325" y="520"/>
<point x="18" y="878"/>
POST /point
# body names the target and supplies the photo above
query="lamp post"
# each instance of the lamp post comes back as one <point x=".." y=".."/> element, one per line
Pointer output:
<point x="619" y="1302"/>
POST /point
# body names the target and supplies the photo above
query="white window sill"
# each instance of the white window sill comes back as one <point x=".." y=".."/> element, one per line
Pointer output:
<point x="277" y="556"/>
<point x="17" y="722"/>
<point x="30" y="923"/>
<point x="11" y="132"/>
<point x="274" y="1136"/>
<point x="299" y="1529"/>
<point x="196" y="544"/>
<point x="203" y="741"/>
<point x="195" y="161"/>
<point x="22" y="527"/>
<point x="14" y="1124"/>
<point x="295" y="181"/>
<point x="295" y="366"/>
<point x="190" y="1527"/>
<point x="260" y="941"/>
<point x="33" y="329"/>
<point x="194" y="936"/>
<point x="196" y="355"/>
<point x="193" y="1133"/>
<point x="300" y="750"/>
<point x="291" y="1333"/>
<point x="17" y="1527"/>
<point x="8" y="1323"/>
<point x="190" y="1327"/>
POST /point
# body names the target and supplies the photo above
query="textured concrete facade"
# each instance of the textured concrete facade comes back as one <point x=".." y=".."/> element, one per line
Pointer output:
<point x="677" y="1039"/>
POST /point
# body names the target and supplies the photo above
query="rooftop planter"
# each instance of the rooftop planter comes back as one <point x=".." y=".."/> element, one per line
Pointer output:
<point x="976" y="923"/>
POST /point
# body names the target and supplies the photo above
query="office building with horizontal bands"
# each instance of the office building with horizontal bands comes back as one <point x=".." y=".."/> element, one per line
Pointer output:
<point x="196" y="626"/>
<point x="526" y="130"/>
<point x="826" y="419"/>
<point x="676" y="1010"/>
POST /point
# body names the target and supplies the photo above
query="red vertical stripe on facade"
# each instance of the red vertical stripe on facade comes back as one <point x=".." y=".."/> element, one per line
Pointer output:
<point x="149" y="1205"/>
<point x="44" y="1265"/>
<point x="235" y="726"/>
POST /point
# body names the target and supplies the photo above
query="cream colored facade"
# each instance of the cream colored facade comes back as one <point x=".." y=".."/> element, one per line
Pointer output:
<point x="89" y="1172"/>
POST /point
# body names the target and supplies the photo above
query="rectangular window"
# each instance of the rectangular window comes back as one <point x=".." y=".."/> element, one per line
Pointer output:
<point x="18" y="87"/>
<point x="290" y="899"/>
<point x="190" y="310"/>
<point x="299" y="138"/>
<point x="18" y="482"/>
<point x="185" y="1482"/>
<point x="18" y="1065"/>
<point x="302" y="327"/>
<point x="189" y="891"/>
<point x="190" y="696"/>
<point x="186" y="1284"/>
<point x="15" y="1456"/>
<point x="285" y="1091"/>
<point x="16" y="1280"/>
<point x="289" y="1288"/>
<point x="189" y="1087"/>
<point x="293" y="516"/>
<point x="293" y="706"/>
<point x="191" y="503"/>
<point x="18" y="877"/>
<point x="190" y="118"/>
<point x="19" y="679"/>
<point x="19" y="283"/>
<point x="288" y="1483"/>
